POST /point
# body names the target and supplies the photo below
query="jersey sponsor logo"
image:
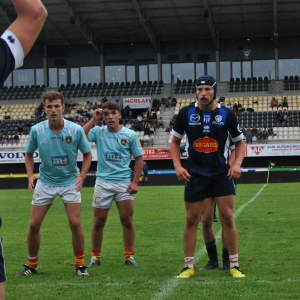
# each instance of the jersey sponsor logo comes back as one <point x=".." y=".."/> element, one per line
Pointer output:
<point x="218" y="120"/>
<point x="69" y="139"/>
<point x="206" y="128"/>
<point x="206" y="145"/>
<point x="114" y="157"/>
<point x="194" y="119"/>
<point x="60" y="161"/>
<point x="239" y="128"/>
<point x="257" y="149"/>
<point x="123" y="142"/>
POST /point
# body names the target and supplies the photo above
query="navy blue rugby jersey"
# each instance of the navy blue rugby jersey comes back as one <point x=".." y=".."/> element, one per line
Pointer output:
<point x="208" y="134"/>
<point x="7" y="61"/>
<point x="11" y="54"/>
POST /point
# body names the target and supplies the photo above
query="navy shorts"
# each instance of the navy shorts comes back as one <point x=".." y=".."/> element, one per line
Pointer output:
<point x="2" y="265"/>
<point x="201" y="187"/>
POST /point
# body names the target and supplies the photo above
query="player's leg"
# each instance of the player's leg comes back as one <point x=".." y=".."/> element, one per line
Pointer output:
<point x="225" y="206"/>
<point x="125" y="204"/>
<point x="37" y="216"/>
<point x="102" y="201"/>
<point x="100" y="217"/>
<point x="208" y="234"/>
<point x="126" y="208"/>
<point x="2" y="271"/>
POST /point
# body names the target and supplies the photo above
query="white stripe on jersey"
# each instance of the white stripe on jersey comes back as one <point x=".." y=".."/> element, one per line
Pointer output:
<point x="72" y="127"/>
<point x="40" y="129"/>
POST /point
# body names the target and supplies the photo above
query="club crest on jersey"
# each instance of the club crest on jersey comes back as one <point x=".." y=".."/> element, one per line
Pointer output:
<point x="123" y="142"/>
<point x="68" y="139"/>
<point x="205" y="145"/>
<point x="218" y="120"/>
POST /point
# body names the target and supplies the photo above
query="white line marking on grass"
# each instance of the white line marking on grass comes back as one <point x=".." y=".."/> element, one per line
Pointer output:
<point x="171" y="284"/>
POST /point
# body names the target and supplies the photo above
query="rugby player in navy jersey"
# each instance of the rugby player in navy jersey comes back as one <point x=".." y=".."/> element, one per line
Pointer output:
<point x="207" y="125"/>
<point x="15" y="43"/>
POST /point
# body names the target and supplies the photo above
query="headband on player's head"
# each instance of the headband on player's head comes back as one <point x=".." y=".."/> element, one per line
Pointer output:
<point x="210" y="81"/>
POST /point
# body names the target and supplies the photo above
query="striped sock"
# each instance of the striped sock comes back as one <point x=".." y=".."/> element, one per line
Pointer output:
<point x="189" y="262"/>
<point x="234" y="260"/>
<point x="128" y="253"/>
<point x="96" y="253"/>
<point x="32" y="262"/>
<point x="79" y="258"/>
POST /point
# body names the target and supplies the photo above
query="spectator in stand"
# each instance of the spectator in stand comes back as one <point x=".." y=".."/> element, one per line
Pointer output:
<point x="153" y="118"/>
<point x="270" y="131"/>
<point x="150" y="139"/>
<point x="152" y="129"/>
<point x="280" y="118"/>
<point x="171" y="124"/>
<point x="285" y="115"/>
<point x="274" y="102"/>
<point x="254" y="131"/>
<point x="40" y="109"/>
<point x="264" y="137"/>
<point x="147" y="130"/>
<point x="284" y="102"/>
<point x="160" y="122"/>
<point x="145" y="116"/>
<point x="168" y="103"/>
<point x="16" y="138"/>
<point x="139" y="119"/>
<point x="127" y="111"/>
<point x="113" y="99"/>
<point x="20" y="129"/>
<point x="1" y="138"/>
<point x="3" y="126"/>
<point x="103" y="100"/>
<point x="248" y="136"/>
<point x="155" y="104"/>
<point x="11" y="139"/>
<point x="5" y="139"/>
<point x="236" y="111"/>
<point x="128" y="125"/>
<point x="259" y="134"/>
<point x="229" y="105"/>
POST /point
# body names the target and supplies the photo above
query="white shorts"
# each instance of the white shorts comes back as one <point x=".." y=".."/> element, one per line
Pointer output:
<point x="106" y="192"/>
<point x="44" y="194"/>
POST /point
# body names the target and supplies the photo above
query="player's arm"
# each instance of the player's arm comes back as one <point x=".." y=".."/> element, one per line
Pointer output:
<point x="235" y="168"/>
<point x="31" y="17"/>
<point x="181" y="173"/>
<point x="29" y="169"/>
<point x="86" y="163"/>
<point x="97" y="114"/>
<point x="138" y="168"/>
<point x="232" y="157"/>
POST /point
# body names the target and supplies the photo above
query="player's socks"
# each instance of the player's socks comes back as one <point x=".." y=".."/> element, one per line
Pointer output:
<point x="234" y="260"/>
<point x="79" y="258"/>
<point x="211" y="249"/>
<point x="96" y="254"/>
<point x="128" y="254"/>
<point x="32" y="262"/>
<point x="189" y="262"/>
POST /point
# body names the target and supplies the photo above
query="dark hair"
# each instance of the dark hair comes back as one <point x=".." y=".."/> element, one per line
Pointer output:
<point x="53" y="95"/>
<point x="111" y="105"/>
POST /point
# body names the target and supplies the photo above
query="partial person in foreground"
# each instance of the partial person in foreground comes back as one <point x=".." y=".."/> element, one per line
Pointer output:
<point x="15" y="43"/>
<point x="58" y="141"/>
<point x="116" y="145"/>
<point x="208" y="125"/>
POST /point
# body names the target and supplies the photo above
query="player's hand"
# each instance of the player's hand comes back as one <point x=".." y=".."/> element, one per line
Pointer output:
<point x="79" y="182"/>
<point x="234" y="172"/>
<point x="98" y="114"/>
<point x="182" y="174"/>
<point x="132" y="188"/>
<point x="31" y="180"/>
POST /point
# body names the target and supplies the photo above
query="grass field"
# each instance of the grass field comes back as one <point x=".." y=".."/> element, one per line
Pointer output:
<point x="267" y="217"/>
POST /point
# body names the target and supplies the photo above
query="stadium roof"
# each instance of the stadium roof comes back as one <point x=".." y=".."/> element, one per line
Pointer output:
<point x="97" y="22"/>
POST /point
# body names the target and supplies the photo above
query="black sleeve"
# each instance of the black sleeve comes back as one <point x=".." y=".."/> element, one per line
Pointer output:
<point x="7" y="61"/>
